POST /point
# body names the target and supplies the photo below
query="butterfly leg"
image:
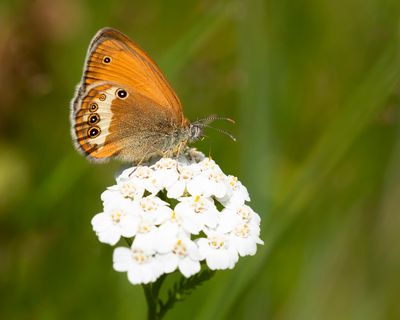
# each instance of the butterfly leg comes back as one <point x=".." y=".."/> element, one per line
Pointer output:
<point x="180" y="147"/>
<point x="137" y="165"/>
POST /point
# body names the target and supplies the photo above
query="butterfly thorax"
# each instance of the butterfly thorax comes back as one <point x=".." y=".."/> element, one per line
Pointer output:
<point x="175" y="142"/>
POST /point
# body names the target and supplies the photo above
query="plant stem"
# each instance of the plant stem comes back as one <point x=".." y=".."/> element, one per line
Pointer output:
<point x="151" y="292"/>
<point x="182" y="288"/>
<point x="151" y="302"/>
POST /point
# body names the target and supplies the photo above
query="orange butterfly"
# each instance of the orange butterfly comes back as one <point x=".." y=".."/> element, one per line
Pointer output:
<point x="124" y="106"/>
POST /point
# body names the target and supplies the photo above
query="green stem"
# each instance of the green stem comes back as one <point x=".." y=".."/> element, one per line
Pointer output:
<point x="151" y="302"/>
<point x="151" y="292"/>
<point x="157" y="286"/>
<point x="182" y="288"/>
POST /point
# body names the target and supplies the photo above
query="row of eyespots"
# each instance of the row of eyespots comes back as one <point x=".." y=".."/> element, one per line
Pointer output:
<point x="121" y="94"/>
<point x="93" y="118"/>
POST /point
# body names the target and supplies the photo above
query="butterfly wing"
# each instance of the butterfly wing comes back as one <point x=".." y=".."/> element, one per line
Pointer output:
<point x="123" y="101"/>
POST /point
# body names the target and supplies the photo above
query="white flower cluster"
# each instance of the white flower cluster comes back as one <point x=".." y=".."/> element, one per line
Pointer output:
<point x="179" y="213"/>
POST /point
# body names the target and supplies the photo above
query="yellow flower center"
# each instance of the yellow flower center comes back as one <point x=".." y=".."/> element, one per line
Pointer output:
<point x="186" y="174"/>
<point x="143" y="172"/>
<point x="244" y="213"/>
<point x="216" y="242"/>
<point x="180" y="249"/>
<point x="175" y="218"/>
<point x="216" y="176"/>
<point x="128" y="190"/>
<point x="116" y="216"/>
<point x="198" y="205"/>
<point x="242" y="230"/>
<point x="148" y="205"/>
<point x="233" y="181"/>
<point x="144" y="228"/>
<point x="139" y="256"/>
<point x="208" y="164"/>
<point x="165" y="163"/>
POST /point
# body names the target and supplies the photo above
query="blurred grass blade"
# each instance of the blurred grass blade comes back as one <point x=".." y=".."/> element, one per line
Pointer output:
<point x="173" y="61"/>
<point x="387" y="234"/>
<point x="253" y="116"/>
<point x="52" y="189"/>
<point x="359" y="111"/>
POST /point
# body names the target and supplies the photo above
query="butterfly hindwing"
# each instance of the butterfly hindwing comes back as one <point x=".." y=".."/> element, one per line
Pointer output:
<point x="105" y="124"/>
<point x="93" y="120"/>
<point x="104" y="120"/>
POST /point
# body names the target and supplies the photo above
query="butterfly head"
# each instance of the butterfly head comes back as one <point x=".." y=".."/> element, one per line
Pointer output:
<point x="196" y="131"/>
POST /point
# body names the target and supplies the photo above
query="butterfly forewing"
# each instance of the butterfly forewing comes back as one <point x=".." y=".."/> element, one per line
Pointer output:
<point x="122" y="101"/>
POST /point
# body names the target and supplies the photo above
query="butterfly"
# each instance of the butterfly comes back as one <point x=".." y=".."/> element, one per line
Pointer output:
<point x="125" y="108"/>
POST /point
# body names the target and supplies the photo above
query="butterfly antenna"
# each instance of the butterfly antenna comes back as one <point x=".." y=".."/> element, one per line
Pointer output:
<point x="230" y="135"/>
<point x="213" y="117"/>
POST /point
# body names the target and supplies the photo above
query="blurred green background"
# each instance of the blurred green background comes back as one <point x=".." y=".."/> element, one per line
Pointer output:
<point x="314" y="88"/>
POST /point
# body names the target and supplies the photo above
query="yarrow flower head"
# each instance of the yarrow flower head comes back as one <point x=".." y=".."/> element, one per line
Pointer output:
<point x="177" y="214"/>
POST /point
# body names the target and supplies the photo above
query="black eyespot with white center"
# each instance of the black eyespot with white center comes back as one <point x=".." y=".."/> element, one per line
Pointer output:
<point x="122" y="94"/>
<point x="93" y="118"/>
<point x="93" y="132"/>
<point x="93" y="107"/>
<point x="106" y="59"/>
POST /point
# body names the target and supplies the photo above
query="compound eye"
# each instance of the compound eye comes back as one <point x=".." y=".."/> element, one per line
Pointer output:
<point x="93" y="132"/>
<point x="121" y="93"/>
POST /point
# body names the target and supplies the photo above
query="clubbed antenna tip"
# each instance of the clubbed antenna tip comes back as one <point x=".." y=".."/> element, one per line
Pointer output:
<point x="205" y="122"/>
<point x="230" y="135"/>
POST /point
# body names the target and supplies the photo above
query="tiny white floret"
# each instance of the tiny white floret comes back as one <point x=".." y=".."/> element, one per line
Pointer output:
<point x="196" y="213"/>
<point x="141" y="266"/>
<point x="114" y="222"/>
<point x="217" y="250"/>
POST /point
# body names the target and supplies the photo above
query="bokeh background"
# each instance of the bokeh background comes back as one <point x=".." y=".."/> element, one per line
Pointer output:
<point x="314" y="88"/>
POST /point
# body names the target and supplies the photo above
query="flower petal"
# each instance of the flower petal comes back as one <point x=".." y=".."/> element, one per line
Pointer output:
<point x="189" y="267"/>
<point x="122" y="259"/>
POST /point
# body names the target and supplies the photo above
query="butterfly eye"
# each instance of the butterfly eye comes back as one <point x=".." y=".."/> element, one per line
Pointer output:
<point x="93" y="132"/>
<point x="106" y="59"/>
<point x="93" y="118"/>
<point x="121" y="93"/>
<point x="93" y="107"/>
